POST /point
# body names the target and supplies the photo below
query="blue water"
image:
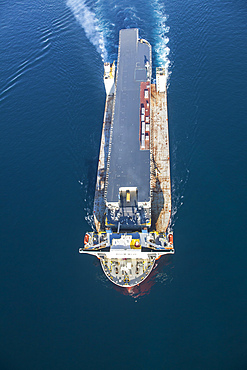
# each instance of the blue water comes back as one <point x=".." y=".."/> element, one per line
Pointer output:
<point x="57" y="310"/>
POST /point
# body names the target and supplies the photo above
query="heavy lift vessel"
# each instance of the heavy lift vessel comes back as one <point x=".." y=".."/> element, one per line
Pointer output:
<point x="132" y="205"/>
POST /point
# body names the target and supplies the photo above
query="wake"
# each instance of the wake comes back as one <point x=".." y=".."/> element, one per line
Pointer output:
<point x="103" y="20"/>
<point x="89" y="22"/>
<point x="161" y="31"/>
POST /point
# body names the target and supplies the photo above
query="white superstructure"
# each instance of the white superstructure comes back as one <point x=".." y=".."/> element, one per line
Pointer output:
<point x="161" y="79"/>
<point x="109" y="78"/>
<point x="127" y="258"/>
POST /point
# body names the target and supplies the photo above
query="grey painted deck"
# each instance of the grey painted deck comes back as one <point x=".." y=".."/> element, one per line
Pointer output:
<point x="129" y="166"/>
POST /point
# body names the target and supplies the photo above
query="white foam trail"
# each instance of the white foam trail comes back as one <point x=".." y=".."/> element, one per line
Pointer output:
<point x="178" y="189"/>
<point x="89" y="217"/>
<point x="88" y="20"/>
<point x="161" y="31"/>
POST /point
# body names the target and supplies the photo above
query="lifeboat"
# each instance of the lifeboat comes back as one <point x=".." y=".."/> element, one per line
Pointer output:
<point x="170" y="238"/>
<point x="86" y="239"/>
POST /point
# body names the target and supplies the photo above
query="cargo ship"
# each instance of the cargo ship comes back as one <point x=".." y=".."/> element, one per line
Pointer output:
<point x="132" y="204"/>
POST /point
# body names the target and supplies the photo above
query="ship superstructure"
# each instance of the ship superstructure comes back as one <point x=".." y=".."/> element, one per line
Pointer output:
<point x="132" y="200"/>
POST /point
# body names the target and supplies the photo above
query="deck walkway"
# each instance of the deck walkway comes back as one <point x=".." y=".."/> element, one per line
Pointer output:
<point x="99" y="203"/>
<point x="160" y="161"/>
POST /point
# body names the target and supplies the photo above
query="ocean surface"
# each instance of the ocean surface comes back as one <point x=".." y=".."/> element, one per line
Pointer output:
<point x="57" y="309"/>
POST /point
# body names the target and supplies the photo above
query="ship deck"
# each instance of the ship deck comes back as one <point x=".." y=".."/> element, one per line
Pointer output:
<point x="128" y="166"/>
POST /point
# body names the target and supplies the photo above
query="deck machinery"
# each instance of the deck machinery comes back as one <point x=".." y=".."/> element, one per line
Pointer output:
<point x="127" y="241"/>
